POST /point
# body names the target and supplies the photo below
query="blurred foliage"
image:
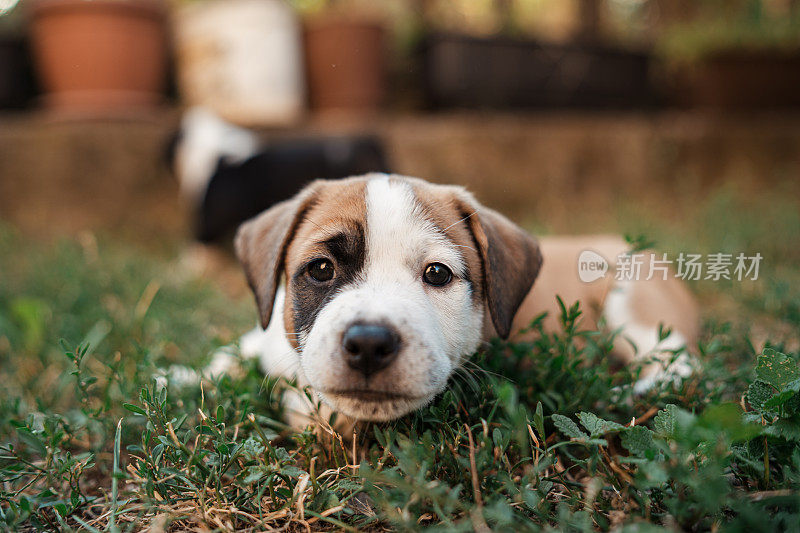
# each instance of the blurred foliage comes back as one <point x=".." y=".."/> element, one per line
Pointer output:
<point x="724" y="27"/>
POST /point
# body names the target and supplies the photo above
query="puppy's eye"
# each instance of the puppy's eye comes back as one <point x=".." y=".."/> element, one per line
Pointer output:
<point x="437" y="274"/>
<point x="321" y="270"/>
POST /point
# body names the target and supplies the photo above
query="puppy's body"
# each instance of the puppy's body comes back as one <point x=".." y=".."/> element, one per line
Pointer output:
<point x="390" y="282"/>
<point x="638" y="307"/>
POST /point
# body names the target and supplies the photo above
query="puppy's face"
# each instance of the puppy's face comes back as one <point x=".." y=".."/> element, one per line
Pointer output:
<point x="386" y="286"/>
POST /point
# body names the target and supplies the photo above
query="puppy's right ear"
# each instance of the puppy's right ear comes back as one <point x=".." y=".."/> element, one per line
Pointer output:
<point x="261" y="246"/>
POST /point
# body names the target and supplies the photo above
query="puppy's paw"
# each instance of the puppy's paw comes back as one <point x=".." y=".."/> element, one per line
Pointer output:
<point x="179" y="376"/>
<point x="222" y="362"/>
<point x="674" y="370"/>
<point x="255" y="343"/>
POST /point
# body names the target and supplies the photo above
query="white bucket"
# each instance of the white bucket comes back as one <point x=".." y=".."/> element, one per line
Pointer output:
<point x="242" y="59"/>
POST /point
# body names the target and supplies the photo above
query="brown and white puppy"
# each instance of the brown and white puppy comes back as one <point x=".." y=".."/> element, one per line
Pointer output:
<point x="374" y="289"/>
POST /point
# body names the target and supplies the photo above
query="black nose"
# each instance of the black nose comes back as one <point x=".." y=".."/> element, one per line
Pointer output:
<point x="370" y="347"/>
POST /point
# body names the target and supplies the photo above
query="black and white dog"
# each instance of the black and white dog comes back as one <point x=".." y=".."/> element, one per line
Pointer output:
<point x="227" y="175"/>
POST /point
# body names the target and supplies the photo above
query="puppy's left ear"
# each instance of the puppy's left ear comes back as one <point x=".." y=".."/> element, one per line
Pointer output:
<point x="511" y="261"/>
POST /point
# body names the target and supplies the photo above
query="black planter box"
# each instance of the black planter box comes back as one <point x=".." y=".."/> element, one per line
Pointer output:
<point x="743" y="80"/>
<point x="500" y="72"/>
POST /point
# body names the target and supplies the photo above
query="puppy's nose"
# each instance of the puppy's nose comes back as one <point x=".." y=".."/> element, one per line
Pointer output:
<point x="370" y="347"/>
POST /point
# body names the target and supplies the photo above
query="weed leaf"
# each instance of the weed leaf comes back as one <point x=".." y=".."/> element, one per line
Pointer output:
<point x="568" y="427"/>
<point x="664" y="421"/>
<point x="777" y="369"/>
<point x="596" y="426"/>
<point x="758" y="394"/>
<point x="638" y="440"/>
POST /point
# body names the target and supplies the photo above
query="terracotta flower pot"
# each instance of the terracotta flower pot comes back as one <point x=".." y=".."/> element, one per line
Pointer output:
<point x="345" y="64"/>
<point x="100" y="55"/>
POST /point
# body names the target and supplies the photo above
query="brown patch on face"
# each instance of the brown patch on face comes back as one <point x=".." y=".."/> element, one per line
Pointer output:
<point x="443" y="208"/>
<point x="332" y="228"/>
<point x="503" y="260"/>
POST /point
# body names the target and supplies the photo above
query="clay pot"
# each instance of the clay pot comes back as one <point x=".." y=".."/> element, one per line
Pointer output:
<point x="345" y="64"/>
<point x="100" y="55"/>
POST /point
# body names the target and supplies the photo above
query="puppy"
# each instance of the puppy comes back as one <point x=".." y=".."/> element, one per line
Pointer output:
<point x="374" y="289"/>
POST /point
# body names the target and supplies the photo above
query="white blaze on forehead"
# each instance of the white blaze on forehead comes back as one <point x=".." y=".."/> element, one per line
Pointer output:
<point x="399" y="234"/>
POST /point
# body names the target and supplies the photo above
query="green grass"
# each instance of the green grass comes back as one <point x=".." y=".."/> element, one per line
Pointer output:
<point x="541" y="436"/>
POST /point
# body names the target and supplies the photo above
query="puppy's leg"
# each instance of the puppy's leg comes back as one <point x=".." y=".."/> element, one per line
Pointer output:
<point x="639" y="337"/>
<point x="276" y="356"/>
